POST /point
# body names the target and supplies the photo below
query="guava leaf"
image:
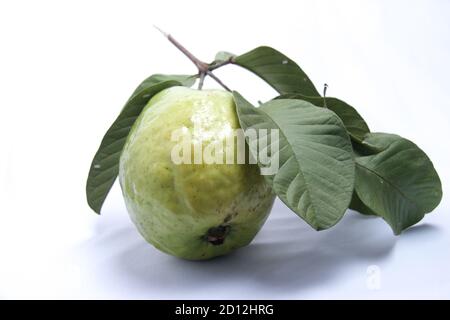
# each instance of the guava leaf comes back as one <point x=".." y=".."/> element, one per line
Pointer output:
<point x="354" y="123"/>
<point x="399" y="183"/>
<point x="280" y="72"/>
<point x="222" y="56"/>
<point x="105" y="165"/>
<point x="316" y="167"/>
<point x="364" y="148"/>
<point x="184" y="80"/>
<point x="357" y="205"/>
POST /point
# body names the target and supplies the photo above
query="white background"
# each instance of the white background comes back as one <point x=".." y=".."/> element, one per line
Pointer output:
<point x="67" y="67"/>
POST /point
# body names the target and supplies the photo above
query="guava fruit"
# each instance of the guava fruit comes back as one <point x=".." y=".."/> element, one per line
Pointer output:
<point x="192" y="211"/>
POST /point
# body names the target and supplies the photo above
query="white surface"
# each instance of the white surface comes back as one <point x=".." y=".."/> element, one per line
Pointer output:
<point x="66" y="68"/>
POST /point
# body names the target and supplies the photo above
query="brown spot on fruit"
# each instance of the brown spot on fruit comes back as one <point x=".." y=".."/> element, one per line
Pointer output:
<point x="216" y="236"/>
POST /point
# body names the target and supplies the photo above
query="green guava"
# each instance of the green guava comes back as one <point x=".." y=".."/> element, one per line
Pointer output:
<point x="191" y="210"/>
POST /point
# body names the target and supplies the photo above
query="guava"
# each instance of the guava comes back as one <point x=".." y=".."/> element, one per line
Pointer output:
<point x="191" y="210"/>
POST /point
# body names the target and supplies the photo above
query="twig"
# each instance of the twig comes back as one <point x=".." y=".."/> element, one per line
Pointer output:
<point x="203" y="68"/>
<point x="212" y="75"/>
<point x="221" y="64"/>
<point x="202" y="79"/>
<point x="325" y="87"/>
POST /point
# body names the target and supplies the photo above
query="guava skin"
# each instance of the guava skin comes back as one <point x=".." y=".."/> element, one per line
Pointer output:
<point x="191" y="211"/>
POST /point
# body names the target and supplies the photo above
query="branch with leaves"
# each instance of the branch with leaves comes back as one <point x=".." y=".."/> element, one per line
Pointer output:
<point x="329" y="159"/>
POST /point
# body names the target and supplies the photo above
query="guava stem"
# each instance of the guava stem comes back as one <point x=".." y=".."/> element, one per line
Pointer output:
<point x="212" y="75"/>
<point x="202" y="79"/>
<point x="203" y="67"/>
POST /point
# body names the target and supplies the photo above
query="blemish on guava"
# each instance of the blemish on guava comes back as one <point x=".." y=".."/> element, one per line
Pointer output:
<point x="216" y="235"/>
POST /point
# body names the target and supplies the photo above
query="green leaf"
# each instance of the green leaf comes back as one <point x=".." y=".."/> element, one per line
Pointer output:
<point x="105" y="165"/>
<point x="184" y="80"/>
<point x="399" y="183"/>
<point x="316" y="166"/>
<point x="357" y="205"/>
<point x="223" y="56"/>
<point x="364" y="148"/>
<point x="354" y="123"/>
<point x="280" y="72"/>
